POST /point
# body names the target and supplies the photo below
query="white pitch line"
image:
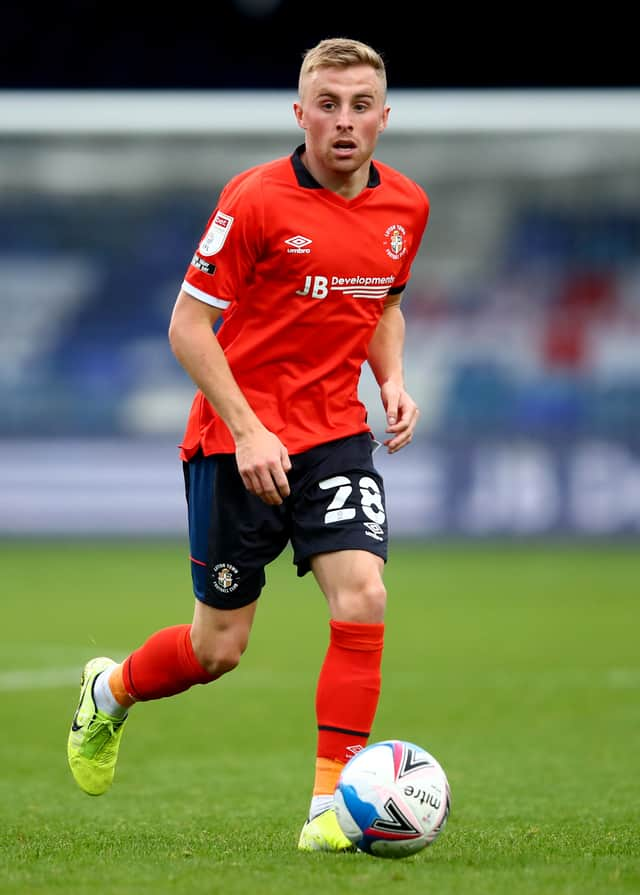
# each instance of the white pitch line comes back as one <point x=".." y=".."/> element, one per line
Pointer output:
<point x="52" y="678"/>
<point x="39" y="679"/>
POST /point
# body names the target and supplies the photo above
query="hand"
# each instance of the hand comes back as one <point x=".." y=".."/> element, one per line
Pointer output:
<point x="263" y="463"/>
<point x="402" y="416"/>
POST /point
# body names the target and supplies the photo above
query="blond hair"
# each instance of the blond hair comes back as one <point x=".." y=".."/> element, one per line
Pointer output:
<point x="342" y="52"/>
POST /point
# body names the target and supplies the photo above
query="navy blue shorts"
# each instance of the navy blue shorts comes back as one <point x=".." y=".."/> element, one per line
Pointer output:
<point x="337" y="502"/>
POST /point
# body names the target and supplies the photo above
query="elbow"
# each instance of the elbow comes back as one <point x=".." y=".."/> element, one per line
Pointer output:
<point x="174" y="335"/>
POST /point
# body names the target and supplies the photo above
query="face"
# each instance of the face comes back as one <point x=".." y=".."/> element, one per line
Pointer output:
<point x="342" y="112"/>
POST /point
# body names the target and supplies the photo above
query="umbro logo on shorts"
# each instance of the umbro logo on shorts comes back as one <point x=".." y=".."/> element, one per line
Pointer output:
<point x="374" y="530"/>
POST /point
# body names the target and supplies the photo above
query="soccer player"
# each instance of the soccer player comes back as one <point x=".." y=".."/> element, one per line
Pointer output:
<point x="304" y="259"/>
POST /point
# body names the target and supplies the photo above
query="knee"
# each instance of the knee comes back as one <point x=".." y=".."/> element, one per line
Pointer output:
<point x="218" y="656"/>
<point x="217" y="664"/>
<point x="365" y="603"/>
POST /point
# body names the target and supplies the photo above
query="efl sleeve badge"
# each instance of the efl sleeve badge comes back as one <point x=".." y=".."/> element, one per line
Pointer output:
<point x="215" y="236"/>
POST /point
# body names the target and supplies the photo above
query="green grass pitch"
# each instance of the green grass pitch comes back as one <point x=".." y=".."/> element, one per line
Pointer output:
<point x="517" y="666"/>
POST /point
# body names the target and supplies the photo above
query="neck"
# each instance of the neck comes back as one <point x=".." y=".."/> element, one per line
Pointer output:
<point x="348" y="184"/>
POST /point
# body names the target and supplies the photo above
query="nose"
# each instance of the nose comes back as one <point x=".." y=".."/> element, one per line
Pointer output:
<point x="343" y="121"/>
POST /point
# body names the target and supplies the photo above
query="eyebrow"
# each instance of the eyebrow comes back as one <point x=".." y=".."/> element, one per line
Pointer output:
<point x="331" y="95"/>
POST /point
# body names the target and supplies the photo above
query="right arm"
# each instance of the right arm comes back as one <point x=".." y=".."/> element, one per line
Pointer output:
<point x="263" y="461"/>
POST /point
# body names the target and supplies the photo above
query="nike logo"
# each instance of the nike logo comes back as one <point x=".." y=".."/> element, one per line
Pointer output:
<point x="74" y="724"/>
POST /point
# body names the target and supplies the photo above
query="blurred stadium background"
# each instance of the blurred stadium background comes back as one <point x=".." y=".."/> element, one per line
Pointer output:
<point x="523" y="312"/>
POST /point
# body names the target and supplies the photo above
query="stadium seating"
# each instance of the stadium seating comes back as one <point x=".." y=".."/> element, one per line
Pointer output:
<point x="88" y="291"/>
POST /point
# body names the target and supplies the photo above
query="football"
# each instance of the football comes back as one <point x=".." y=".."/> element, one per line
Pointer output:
<point x="392" y="799"/>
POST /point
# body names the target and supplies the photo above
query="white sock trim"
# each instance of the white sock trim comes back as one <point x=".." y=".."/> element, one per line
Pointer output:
<point x="104" y="698"/>
<point x="319" y="804"/>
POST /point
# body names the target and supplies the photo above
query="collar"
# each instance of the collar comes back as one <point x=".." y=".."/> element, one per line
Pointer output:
<point x="307" y="181"/>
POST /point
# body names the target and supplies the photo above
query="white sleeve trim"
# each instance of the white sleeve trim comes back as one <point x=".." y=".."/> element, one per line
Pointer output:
<point x="204" y="296"/>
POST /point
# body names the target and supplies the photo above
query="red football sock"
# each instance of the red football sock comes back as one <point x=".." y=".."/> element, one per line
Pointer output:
<point x="348" y="689"/>
<point x="163" y="666"/>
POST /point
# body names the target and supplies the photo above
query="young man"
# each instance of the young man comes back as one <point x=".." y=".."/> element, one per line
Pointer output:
<point x="305" y="259"/>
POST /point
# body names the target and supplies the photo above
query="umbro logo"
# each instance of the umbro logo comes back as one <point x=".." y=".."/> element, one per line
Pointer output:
<point x="298" y="245"/>
<point x="374" y="530"/>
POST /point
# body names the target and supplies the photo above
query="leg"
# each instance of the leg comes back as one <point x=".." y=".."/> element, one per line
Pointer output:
<point x="351" y="581"/>
<point x="174" y="659"/>
<point x="340" y="534"/>
<point x="220" y="636"/>
<point x="170" y="661"/>
<point x="349" y="682"/>
<point x="224" y="522"/>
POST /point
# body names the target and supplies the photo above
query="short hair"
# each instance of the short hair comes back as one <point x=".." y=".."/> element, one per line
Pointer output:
<point x="342" y="52"/>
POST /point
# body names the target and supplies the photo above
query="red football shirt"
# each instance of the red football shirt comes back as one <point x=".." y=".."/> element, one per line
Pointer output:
<point x="302" y="275"/>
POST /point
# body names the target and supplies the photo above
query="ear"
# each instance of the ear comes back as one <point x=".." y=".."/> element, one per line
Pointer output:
<point x="384" y="121"/>
<point x="298" y="112"/>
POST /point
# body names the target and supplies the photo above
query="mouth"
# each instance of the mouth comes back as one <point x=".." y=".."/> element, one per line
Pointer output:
<point x="344" y="146"/>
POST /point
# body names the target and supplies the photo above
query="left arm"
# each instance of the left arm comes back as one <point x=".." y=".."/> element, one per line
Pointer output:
<point x="386" y="351"/>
